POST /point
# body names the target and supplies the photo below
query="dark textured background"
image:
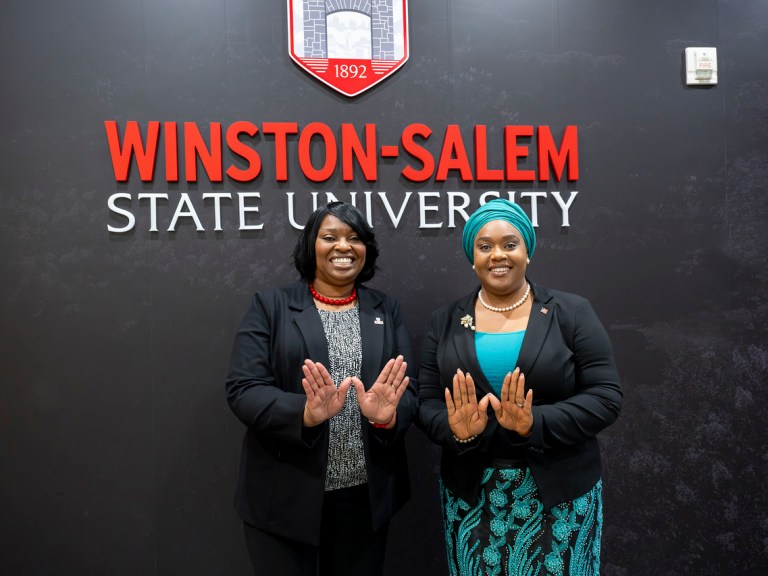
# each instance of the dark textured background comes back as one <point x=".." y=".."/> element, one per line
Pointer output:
<point x="118" y="450"/>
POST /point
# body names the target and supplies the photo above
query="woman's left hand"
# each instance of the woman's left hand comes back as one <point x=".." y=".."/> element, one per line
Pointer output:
<point x="513" y="409"/>
<point x="379" y="403"/>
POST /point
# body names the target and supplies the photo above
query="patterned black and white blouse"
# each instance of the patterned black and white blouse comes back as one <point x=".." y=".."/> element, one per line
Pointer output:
<point x="346" y="459"/>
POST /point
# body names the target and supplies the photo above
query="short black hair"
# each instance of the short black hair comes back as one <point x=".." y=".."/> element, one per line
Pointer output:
<point x="304" y="252"/>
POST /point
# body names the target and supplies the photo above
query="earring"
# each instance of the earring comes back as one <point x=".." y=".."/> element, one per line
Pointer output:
<point x="473" y="266"/>
<point x="527" y="260"/>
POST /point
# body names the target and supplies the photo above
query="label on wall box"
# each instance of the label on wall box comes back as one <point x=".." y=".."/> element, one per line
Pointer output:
<point x="350" y="45"/>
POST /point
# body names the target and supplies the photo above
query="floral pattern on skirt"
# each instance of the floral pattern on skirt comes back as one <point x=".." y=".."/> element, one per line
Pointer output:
<point x="509" y="532"/>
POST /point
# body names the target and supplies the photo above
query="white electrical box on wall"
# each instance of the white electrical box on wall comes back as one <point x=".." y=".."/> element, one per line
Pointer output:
<point x="701" y="66"/>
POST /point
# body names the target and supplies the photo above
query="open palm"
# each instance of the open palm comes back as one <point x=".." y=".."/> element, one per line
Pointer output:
<point x="379" y="403"/>
<point x="466" y="416"/>
<point x="513" y="408"/>
<point x="324" y="400"/>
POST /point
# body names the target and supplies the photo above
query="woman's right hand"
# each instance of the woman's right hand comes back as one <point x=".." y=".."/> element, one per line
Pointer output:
<point x="324" y="400"/>
<point x="466" y="416"/>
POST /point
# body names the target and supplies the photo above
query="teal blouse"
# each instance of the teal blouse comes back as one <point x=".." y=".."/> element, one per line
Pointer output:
<point x="497" y="353"/>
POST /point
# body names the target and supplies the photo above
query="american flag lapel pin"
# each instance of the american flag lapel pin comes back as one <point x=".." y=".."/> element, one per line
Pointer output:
<point x="544" y="310"/>
<point x="378" y="321"/>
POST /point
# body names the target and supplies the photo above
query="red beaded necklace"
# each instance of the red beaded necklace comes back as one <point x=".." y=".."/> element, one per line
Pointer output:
<point x="333" y="301"/>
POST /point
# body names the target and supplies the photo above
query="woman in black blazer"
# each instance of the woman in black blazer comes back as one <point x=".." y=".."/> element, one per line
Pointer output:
<point x="515" y="382"/>
<point x="319" y="376"/>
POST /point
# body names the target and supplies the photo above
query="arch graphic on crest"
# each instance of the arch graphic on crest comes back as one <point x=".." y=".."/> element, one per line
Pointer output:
<point x="350" y="45"/>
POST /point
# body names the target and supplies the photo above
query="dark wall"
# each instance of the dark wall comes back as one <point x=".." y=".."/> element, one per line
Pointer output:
<point x="119" y="452"/>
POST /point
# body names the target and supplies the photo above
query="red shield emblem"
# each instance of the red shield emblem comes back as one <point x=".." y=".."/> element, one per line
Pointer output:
<point x="350" y="45"/>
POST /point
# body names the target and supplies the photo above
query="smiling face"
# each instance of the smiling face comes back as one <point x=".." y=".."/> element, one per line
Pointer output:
<point x="500" y="259"/>
<point x="339" y="257"/>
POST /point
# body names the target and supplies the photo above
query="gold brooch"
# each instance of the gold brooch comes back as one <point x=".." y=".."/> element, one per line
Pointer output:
<point x="468" y="322"/>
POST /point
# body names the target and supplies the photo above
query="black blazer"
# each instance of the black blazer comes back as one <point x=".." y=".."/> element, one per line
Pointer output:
<point x="568" y="362"/>
<point x="282" y="468"/>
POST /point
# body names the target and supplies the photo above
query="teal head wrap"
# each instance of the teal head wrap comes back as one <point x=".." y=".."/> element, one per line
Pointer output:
<point x="498" y="209"/>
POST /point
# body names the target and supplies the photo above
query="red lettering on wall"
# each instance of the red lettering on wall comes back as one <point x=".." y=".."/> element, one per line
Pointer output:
<point x="280" y="130"/>
<point x="453" y="156"/>
<point x="132" y="146"/>
<point x="195" y="147"/>
<point x="418" y="152"/>
<point x="566" y="155"/>
<point x="305" y="151"/>
<point x="171" y="152"/>
<point x="253" y="168"/>
<point x="319" y="151"/>
<point x="513" y="152"/>
<point x="482" y="172"/>
<point x="352" y="149"/>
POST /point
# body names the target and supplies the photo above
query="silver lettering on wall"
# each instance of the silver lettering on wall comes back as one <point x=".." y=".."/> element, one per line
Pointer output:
<point x="436" y="208"/>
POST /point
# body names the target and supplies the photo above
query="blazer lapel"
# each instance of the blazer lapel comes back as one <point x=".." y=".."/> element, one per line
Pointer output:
<point x="464" y="341"/>
<point x="539" y="322"/>
<point x="310" y="326"/>
<point x="372" y="330"/>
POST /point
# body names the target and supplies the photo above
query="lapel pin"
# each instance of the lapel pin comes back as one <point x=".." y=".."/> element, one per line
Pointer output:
<point x="544" y="310"/>
<point x="378" y="321"/>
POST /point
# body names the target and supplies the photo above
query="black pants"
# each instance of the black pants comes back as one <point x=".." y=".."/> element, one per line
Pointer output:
<point x="348" y="545"/>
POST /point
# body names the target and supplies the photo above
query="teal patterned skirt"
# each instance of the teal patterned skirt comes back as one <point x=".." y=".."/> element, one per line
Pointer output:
<point x="509" y="532"/>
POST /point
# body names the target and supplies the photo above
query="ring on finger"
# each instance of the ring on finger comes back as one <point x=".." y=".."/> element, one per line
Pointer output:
<point x="519" y="405"/>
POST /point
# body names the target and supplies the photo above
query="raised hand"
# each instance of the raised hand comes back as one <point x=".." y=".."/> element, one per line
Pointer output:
<point x="324" y="400"/>
<point x="379" y="403"/>
<point x="466" y="416"/>
<point x="513" y="409"/>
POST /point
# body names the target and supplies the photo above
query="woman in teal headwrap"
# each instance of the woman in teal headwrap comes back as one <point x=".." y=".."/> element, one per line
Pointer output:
<point x="515" y="382"/>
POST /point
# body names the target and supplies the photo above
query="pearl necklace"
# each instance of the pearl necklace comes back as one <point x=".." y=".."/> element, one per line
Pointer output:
<point x="505" y="308"/>
<point x="333" y="301"/>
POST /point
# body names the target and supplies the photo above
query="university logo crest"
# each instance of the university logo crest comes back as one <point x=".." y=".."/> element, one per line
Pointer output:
<point x="350" y="45"/>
